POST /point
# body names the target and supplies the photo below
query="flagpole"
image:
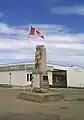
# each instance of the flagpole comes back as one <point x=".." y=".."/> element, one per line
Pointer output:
<point x="26" y="65"/>
<point x="28" y="39"/>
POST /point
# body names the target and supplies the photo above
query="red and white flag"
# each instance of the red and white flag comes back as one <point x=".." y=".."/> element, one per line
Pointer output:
<point x="34" y="31"/>
<point x="39" y="34"/>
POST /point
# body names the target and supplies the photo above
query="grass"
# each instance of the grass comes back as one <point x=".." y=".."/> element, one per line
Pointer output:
<point x="5" y="86"/>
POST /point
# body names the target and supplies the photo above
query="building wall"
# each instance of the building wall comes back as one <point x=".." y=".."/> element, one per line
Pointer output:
<point x="4" y="78"/>
<point x="17" y="78"/>
<point x="75" y="77"/>
<point x="49" y="77"/>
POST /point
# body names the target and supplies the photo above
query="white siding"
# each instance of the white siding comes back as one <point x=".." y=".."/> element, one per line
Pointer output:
<point x="17" y="78"/>
<point x="4" y="78"/>
<point x="50" y="78"/>
<point x="75" y="77"/>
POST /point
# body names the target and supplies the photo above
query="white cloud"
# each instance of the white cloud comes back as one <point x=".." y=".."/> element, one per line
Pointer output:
<point x="75" y="9"/>
<point x="1" y="14"/>
<point x="11" y="31"/>
<point x="60" y="44"/>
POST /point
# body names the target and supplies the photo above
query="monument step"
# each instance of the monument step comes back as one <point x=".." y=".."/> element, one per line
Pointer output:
<point x="43" y="97"/>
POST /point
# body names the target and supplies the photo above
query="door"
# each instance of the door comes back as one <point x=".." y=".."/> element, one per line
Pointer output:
<point x="59" y="79"/>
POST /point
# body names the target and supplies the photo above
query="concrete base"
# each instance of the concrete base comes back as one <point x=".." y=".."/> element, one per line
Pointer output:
<point x="40" y="97"/>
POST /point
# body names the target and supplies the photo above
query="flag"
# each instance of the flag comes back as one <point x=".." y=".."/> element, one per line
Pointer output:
<point x="39" y="34"/>
<point x="34" y="31"/>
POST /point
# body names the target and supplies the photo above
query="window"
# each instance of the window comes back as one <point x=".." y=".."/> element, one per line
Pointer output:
<point x="45" y="77"/>
<point x="30" y="77"/>
<point x="27" y="77"/>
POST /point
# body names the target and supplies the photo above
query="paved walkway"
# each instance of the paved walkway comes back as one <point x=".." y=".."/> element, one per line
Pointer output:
<point x="13" y="109"/>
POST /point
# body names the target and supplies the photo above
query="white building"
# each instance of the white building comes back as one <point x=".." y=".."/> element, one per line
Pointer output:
<point x="59" y="76"/>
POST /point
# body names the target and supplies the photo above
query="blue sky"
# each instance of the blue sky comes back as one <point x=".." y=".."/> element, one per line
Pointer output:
<point x="61" y="22"/>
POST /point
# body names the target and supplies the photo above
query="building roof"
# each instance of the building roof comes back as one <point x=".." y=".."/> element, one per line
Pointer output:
<point x="21" y="66"/>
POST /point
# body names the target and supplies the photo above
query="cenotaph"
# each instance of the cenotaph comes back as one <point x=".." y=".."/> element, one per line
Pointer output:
<point x="40" y="91"/>
<point x="40" y="77"/>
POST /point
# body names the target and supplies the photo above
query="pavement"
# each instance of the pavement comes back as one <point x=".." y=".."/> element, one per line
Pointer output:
<point x="12" y="108"/>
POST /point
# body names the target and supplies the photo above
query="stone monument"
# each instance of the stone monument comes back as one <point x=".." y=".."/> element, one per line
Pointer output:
<point x="40" y="77"/>
<point x="40" y="86"/>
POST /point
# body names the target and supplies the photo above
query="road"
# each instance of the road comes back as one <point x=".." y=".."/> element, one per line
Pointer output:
<point x="12" y="108"/>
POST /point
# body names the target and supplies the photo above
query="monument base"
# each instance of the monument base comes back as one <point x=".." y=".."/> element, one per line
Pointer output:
<point x="43" y="97"/>
<point x="40" y="90"/>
